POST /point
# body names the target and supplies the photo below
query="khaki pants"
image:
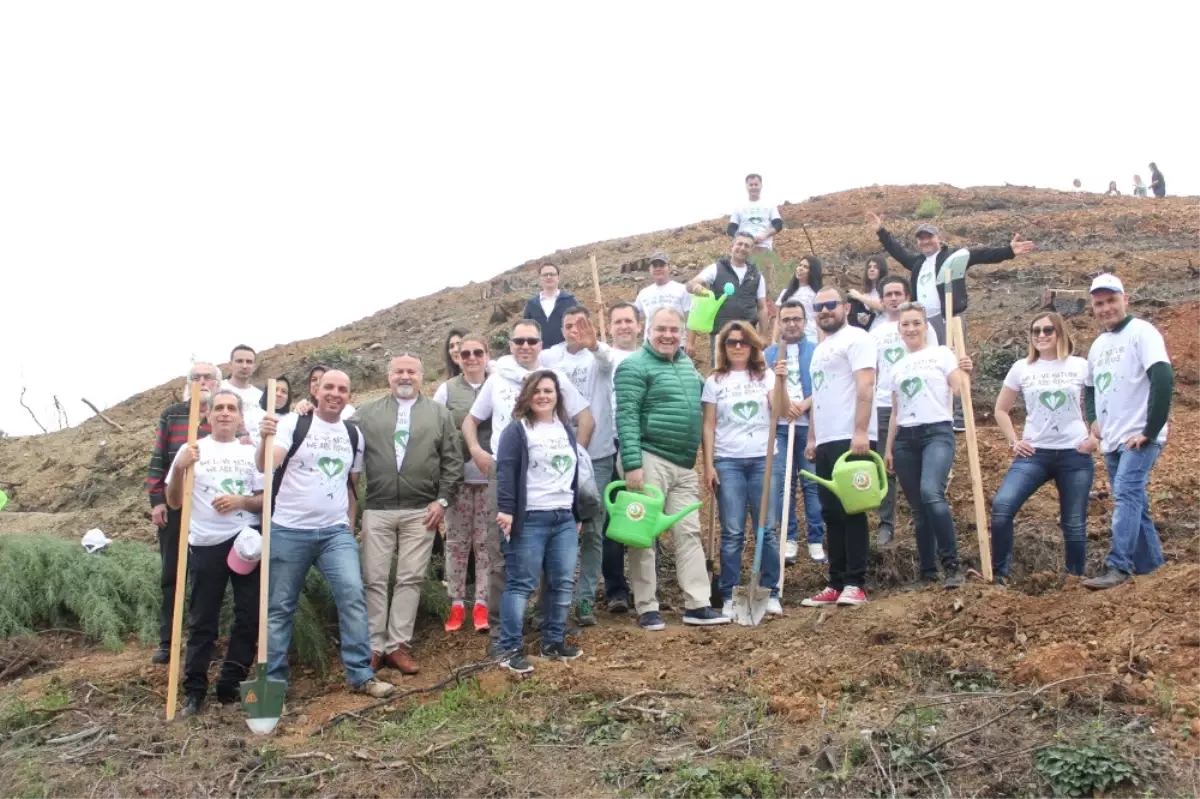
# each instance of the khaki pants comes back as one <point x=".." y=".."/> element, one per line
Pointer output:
<point x="681" y="488"/>
<point x="401" y="533"/>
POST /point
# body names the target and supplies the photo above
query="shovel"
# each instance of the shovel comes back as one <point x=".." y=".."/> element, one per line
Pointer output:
<point x="185" y="523"/>
<point x="714" y="589"/>
<point x="262" y="697"/>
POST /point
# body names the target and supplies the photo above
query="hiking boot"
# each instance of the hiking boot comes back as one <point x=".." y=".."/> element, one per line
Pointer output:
<point x="376" y="689"/>
<point x="773" y="607"/>
<point x="517" y="663"/>
<point x="790" y="550"/>
<point x="704" y="617"/>
<point x="919" y="583"/>
<point x="816" y="553"/>
<point x="458" y="614"/>
<point x="479" y="617"/>
<point x="852" y="595"/>
<point x="191" y="705"/>
<point x="228" y="701"/>
<point x="618" y="604"/>
<point x="1000" y="581"/>
<point x="954" y="579"/>
<point x="561" y="651"/>
<point x="884" y="537"/>
<point x="828" y="596"/>
<point x="584" y="614"/>
<point x="727" y="608"/>
<point x="401" y="660"/>
<point x="376" y="661"/>
<point x="161" y="656"/>
<point x="651" y="620"/>
<point x="1111" y="578"/>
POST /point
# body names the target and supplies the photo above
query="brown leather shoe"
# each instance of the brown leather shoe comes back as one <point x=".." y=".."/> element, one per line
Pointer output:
<point x="401" y="660"/>
<point x="376" y="660"/>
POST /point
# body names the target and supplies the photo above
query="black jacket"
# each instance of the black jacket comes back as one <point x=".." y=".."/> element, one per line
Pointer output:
<point x="552" y="325"/>
<point x="915" y="261"/>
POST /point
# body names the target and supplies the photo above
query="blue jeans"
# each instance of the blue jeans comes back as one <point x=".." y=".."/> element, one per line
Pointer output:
<point x="1072" y="472"/>
<point x="546" y="542"/>
<point x="812" y="500"/>
<point x="922" y="456"/>
<point x="592" y="539"/>
<point x="1135" y="544"/>
<point x="741" y="488"/>
<point x="335" y="553"/>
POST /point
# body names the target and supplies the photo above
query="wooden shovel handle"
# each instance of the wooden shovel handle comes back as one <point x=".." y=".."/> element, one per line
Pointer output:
<point x="185" y="523"/>
<point x="264" y="565"/>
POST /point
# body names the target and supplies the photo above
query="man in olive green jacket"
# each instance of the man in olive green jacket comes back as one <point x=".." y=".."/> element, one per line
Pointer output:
<point x="414" y="468"/>
<point x="658" y="424"/>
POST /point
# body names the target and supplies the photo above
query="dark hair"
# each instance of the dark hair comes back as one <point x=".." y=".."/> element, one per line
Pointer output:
<point x="316" y="367"/>
<point x="623" y="304"/>
<point x="1154" y="166"/>
<point x="814" y="277"/>
<point x="744" y="234"/>
<point x="901" y="279"/>
<point x="577" y="310"/>
<point x="794" y="303"/>
<point x="262" y="401"/>
<point x="452" y="368"/>
<point x="757" y="365"/>
<point x="835" y="289"/>
<point x="753" y="175"/>
<point x="531" y="322"/>
<point x="523" y="409"/>
<point x="241" y="347"/>
<point x="552" y="266"/>
<point x="880" y="261"/>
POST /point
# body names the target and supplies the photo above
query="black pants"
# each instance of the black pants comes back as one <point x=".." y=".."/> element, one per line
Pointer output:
<point x="210" y="574"/>
<point x="168" y="550"/>
<point x="612" y="566"/>
<point x="846" y="536"/>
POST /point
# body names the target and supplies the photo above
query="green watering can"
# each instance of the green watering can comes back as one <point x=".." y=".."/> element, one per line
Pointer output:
<point x="635" y="520"/>
<point x="860" y="485"/>
<point x="704" y="309"/>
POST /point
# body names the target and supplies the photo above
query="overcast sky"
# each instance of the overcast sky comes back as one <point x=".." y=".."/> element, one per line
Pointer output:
<point x="176" y="178"/>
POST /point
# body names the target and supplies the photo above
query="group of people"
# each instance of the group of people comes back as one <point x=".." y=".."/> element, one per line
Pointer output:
<point x="1158" y="185"/>
<point x="510" y="456"/>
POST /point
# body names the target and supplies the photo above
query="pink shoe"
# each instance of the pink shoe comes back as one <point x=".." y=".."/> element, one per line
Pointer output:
<point x="852" y="595"/>
<point x="827" y="597"/>
<point x="458" y="614"/>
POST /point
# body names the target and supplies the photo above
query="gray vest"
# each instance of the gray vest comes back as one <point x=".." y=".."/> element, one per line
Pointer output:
<point x="744" y="302"/>
<point x="459" y="399"/>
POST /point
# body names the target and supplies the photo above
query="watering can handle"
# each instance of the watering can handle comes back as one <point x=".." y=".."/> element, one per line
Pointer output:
<point x="615" y="485"/>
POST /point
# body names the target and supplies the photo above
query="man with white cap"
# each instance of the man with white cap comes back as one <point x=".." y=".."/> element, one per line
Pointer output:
<point x="226" y="502"/>
<point x="1127" y="398"/>
<point x="665" y="293"/>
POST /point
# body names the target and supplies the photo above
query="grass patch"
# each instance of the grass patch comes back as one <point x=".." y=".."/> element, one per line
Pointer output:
<point x="464" y="709"/>
<point x="928" y="208"/>
<point x="748" y="778"/>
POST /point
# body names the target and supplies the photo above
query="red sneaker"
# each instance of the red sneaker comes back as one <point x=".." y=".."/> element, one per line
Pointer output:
<point x="827" y="597"/>
<point x="479" y="616"/>
<point x="852" y="595"/>
<point x="458" y="614"/>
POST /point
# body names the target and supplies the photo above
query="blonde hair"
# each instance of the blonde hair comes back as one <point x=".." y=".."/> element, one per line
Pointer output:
<point x="1060" y="328"/>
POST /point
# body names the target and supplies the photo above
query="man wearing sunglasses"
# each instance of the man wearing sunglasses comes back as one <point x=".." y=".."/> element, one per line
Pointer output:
<point x="548" y="307"/>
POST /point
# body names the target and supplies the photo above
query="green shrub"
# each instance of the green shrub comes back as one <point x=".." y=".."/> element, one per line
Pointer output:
<point x="929" y="207"/>
<point x="1083" y="769"/>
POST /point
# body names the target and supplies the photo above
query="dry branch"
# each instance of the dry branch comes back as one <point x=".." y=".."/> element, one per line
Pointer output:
<point x="101" y="415"/>
<point x="21" y="399"/>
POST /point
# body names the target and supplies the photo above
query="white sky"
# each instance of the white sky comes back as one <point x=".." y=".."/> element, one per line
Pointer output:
<point x="175" y="178"/>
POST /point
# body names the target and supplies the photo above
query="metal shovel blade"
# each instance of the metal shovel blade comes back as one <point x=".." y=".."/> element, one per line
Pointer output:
<point x="262" y="699"/>
<point x="750" y="604"/>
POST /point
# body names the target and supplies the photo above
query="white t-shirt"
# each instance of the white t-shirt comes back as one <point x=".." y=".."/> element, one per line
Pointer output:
<point x="891" y="349"/>
<point x="312" y="493"/>
<point x="920" y="382"/>
<point x="1117" y="364"/>
<point x="743" y="417"/>
<point x="592" y="375"/>
<point x="805" y="294"/>
<point x="548" y="304"/>
<point x="403" y="415"/>
<point x="471" y="473"/>
<point x="499" y="394"/>
<point x="835" y="390"/>
<point x="929" y="291"/>
<point x="755" y="216"/>
<point x="795" y="386"/>
<point x="252" y="416"/>
<point x="250" y="395"/>
<point x="880" y="316"/>
<point x="1052" y="392"/>
<point x="617" y="356"/>
<point x="551" y="467"/>
<point x="223" y="468"/>
<point x="709" y="274"/>
<point x="672" y="294"/>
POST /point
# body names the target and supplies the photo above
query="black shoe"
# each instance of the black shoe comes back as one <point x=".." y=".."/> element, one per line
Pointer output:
<point x="884" y="537"/>
<point x="618" y="604"/>
<point x="704" y="617"/>
<point x="517" y="663"/>
<point x="651" y="620"/>
<point x="161" y="656"/>
<point x="918" y="584"/>
<point x="561" y="651"/>
<point x="191" y="705"/>
<point x="1000" y="581"/>
<point x="954" y="579"/>
<point x="1110" y="579"/>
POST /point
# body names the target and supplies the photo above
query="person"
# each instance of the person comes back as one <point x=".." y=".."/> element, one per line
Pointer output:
<point x="587" y="362"/>
<point x="537" y="485"/>
<point x="306" y="406"/>
<point x="748" y="302"/>
<point x="758" y="218"/>
<point x="318" y="459"/>
<point x="226" y="502"/>
<point x="665" y="292"/>
<point x="241" y="359"/>
<point x="804" y="285"/>
<point x="843" y="385"/>
<point x="450" y="352"/>
<point x="171" y="435"/>
<point x="253" y="414"/>
<point x="1127" y="398"/>
<point x="658" y="422"/>
<point x="928" y="289"/>
<point x="1139" y="186"/>
<point x="737" y="400"/>
<point x="468" y="517"/>
<point x="1055" y="443"/>
<point x="797" y="370"/>
<point x="414" y="464"/>
<point x="920" y="442"/>
<point x="495" y="403"/>
<point x="1076" y="185"/>
<point x="866" y="306"/>
<point x="1113" y="191"/>
<point x="547" y="307"/>
<point x="625" y="325"/>
<point x="1158" y="184"/>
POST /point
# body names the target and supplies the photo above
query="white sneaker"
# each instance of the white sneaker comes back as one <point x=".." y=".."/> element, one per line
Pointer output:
<point x="790" y="551"/>
<point x="727" y="609"/>
<point x="817" y="553"/>
<point x="773" y="607"/>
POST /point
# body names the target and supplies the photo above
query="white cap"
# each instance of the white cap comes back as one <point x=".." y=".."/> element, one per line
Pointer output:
<point x="246" y="551"/>
<point x="1106" y="282"/>
<point x="94" y="540"/>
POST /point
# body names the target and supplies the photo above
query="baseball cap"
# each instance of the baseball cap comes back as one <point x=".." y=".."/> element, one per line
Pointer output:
<point x="932" y="230"/>
<point x="246" y="551"/>
<point x="660" y="256"/>
<point x="1106" y="282"/>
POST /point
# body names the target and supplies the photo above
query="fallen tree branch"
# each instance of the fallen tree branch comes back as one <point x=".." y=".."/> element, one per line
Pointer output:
<point x="811" y="248"/>
<point x="78" y="736"/>
<point x="101" y="415"/>
<point x="309" y="776"/>
<point x="21" y="399"/>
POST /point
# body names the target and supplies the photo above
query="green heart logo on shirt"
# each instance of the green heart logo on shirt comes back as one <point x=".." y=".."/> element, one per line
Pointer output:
<point x="331" y="466"/>
<point x="793" y="377"/>
<point x="912" y="386"/>
<point x="893" y="354"/>
<point x="561" y="463"/>
<point x="1103" y="381"/>
<point x="402" y="438"/>
<point x="926" y="277"/>
<point x="745" y="410"/>
<point x="231" y="486"/>
<point x="1053" y="399"/>
<point x="818" y="380"/>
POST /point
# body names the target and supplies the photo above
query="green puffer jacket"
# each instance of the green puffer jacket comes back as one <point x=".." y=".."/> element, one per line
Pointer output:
<point x="658" y="408"/>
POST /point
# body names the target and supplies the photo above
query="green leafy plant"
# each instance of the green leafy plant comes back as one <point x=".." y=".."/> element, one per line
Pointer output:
<point x="1082" y="769"/>
<point x="929" y="207"/>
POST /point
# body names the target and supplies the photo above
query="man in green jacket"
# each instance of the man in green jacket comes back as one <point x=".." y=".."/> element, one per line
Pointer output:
<point x="414" y="468"/>
<point x="658" y="424"/>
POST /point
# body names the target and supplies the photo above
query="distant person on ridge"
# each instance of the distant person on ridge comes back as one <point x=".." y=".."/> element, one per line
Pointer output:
<point x="1158" y="184"/>
<point x="548" y="306"/>
<point x="756" y="217"/>
<point x="241" y="360"/>
<point x="1139" y="186"/>
<point x="748" y="303"/>
<point x="1113" y="191"/>
<point x="665" y="292"/>
<point x="925" y="266"/>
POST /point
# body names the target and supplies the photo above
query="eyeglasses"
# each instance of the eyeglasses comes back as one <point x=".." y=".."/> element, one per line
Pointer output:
<point x="793" y="320"/>
<point x="548" y="274"/>
<point x="525" y="342"/>
<point x="203" y="377"/>
<point x="828" y="305"/>
<point x="1042" y="331"/>
<point x="736" y="343"/>
<point x="471" y="353"/>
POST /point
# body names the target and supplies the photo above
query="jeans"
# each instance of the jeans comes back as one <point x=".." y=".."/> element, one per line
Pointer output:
<point x="1135" y="544"/>
<point x="592" y="538"/>
<point x="547" y="541"/>
<point x="741" y="487"/>
<point x="210" y="574"/>
<point x="887" y="508"/>
<point x="812" y="501"/>
<point x="335" y="553"/>
<point x="846" y="534"/>
<point x="1072" y="473"/>
<point x="923" y="455"/>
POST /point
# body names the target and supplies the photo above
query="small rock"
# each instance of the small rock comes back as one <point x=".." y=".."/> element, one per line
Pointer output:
<point x="1093" y="644"/>
<point x="1195" y="727"/>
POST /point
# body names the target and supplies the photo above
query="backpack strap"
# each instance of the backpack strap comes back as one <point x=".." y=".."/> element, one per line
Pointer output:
<point x="303" y="424"/>
<point x="352" y="431"/>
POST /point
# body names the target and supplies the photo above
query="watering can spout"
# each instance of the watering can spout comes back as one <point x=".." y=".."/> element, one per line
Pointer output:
<point x="667" y="521"/>
<point x="828" y="484"/>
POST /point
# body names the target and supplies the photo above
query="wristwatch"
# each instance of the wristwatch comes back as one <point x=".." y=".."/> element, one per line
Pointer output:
<point x="443" y="502"/>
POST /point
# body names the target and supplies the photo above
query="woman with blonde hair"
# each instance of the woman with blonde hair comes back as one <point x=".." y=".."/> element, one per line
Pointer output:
<point x="1054" y="444"/>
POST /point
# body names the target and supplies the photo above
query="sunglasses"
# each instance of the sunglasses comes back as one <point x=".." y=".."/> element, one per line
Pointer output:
<point x="1042" y="331"/>
<point x="525" y="342"/>
<point x="828" y="305"/>
<point x="736" y="343"/>
<point x="471" y="353"/>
